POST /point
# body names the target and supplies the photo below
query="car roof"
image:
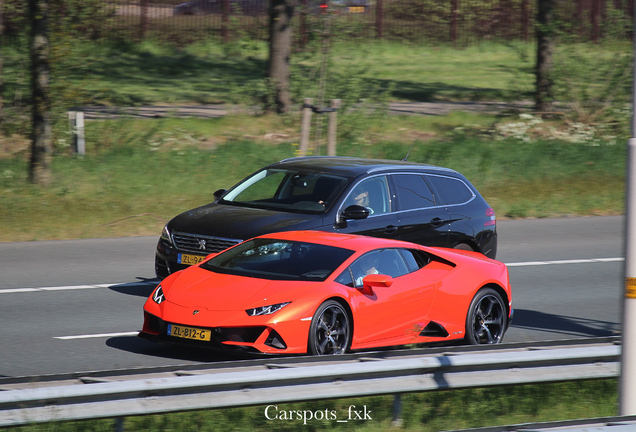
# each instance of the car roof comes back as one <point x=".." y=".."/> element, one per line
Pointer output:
<point x="356" y="166"/>
<point x="340" y="240"/>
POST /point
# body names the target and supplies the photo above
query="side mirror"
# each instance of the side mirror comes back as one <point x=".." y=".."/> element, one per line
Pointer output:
<point x="355" y="212"/>
<point x="375" y="280"/>
<point x="219" y="193"/>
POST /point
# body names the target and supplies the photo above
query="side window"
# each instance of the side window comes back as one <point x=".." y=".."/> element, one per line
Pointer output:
<point x="414" y="259"/>
<point x="452" y="191"/>
<point x="345" y="278"/>
<point x="413" y="192"/>
<point x="373" y="194"/>
<point x="384" y="261"/>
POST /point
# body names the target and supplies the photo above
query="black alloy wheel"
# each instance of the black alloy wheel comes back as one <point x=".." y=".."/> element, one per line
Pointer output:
<point x="330" y="331"/>
<point x="486" y="319"/>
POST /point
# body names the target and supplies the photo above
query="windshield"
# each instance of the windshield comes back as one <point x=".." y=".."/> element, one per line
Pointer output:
<point x="279" y="260"/>
<point x="288" y="190"/>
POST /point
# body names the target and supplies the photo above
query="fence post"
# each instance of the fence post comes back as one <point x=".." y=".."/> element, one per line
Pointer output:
<point x="76" y="123"/>
<point x="333" y="121"/>
<point x="305" y="126"/>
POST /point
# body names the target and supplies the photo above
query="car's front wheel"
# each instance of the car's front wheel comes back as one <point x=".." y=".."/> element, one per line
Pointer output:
<point x="330" y="331"/>
<point x="486" y="318"/>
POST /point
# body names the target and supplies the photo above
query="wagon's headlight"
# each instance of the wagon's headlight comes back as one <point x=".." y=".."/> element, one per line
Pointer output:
<point x="158" y="296"/>
<point x="266" y="310"/>
<point x="165" y="235"/>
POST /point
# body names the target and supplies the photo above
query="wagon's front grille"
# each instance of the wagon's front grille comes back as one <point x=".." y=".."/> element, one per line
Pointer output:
<point x="202" y="244"/>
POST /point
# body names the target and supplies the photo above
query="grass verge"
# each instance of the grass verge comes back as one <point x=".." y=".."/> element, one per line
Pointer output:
<point x="137" y="174"/>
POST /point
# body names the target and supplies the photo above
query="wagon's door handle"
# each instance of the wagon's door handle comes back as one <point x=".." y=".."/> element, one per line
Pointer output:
<point x="390" y="229"/>
<point x="437" y="222"/>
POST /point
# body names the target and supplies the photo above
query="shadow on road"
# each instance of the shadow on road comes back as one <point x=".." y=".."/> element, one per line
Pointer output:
<point x="143" y="288"/>
<point x="535" y="320"/>
<point x="135" y="345"/>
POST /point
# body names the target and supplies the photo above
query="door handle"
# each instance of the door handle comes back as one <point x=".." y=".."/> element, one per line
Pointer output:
<point x="390" y="229"/>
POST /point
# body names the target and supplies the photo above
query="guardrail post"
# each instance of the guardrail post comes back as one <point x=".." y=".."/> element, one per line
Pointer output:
<point x="397" y="410"/>
<point x="119" y="424"/>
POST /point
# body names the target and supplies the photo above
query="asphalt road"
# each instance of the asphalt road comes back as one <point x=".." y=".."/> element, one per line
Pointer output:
<point x="69" y="306"/>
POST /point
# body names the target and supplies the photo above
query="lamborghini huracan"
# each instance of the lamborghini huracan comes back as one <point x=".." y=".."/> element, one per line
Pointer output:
<point x="326" y="293"/>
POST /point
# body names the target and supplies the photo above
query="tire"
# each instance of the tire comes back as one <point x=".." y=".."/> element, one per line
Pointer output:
<point x="464" y="247"/>
<point x="486" y="318"/>
<point x="330" y="331"/>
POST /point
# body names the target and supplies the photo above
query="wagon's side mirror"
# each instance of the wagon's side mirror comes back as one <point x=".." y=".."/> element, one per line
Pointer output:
<point x="356" y="212"/>
<point x="219" y="193"/>
<point x="375" y="280"/>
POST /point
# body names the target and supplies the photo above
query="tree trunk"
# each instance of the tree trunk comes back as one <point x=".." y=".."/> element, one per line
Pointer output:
<point x="280" y="38"/>
<point x="543" y="70"/>
<point x="41" y="148"/>
<point x="143" y="20"/>
<point x="1" y="85"/>
<point x="453" y="20"/>
<point x="379" y="19"/>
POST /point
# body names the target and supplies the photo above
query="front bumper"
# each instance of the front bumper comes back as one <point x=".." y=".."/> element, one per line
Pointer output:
<point x="167" y="254"/>
<point x="258" y="339"/>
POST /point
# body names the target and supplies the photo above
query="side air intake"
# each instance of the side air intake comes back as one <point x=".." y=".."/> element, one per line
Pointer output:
<point x="434" y="330"/>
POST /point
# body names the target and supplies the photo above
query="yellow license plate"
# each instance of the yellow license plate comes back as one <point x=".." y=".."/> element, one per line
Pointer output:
<point x="356" y="9"/>
<point x="189" y="332"/>
<point x="190" y="259"/>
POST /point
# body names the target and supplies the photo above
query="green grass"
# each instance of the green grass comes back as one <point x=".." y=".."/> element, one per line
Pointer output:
<point x="422" y="412"/>
<point x="210" y="72"/>
<point x="137" y="174"/>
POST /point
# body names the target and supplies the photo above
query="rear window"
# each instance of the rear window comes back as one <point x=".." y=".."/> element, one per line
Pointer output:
<point x="451" y="191"/>
<point x="413" y="192"/>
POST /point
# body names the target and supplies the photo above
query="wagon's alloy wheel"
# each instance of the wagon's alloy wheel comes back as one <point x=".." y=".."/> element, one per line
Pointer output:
<point x="330" y="331"/>
<point x="486" y="319"/>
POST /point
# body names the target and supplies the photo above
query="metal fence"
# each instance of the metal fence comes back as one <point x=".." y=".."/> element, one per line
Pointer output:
<point x="459" y="22"/>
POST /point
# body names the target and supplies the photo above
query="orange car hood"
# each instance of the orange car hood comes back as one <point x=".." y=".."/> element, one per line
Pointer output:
<point x="196" y="287"/>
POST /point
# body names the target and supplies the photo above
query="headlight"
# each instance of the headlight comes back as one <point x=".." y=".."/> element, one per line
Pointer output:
<point x="165" y="235"/>
<point x="158" y="296"/>
<point x="266" y="310"/>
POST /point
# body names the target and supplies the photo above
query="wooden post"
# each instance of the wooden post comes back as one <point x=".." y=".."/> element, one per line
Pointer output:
<point x="305" y="126"/>
<point x="333" y="120"/>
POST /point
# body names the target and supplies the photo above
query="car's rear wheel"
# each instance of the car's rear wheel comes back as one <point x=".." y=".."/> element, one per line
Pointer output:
<point x="486" y="318"/>
<point x="330" y="331"/>
<point x="463" y="246"/>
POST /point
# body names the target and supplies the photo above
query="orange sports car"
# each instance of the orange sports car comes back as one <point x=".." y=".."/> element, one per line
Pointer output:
<point x="326" y="293"/>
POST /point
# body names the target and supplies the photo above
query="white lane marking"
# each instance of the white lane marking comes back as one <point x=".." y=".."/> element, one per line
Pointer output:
<point x="99" y="335"/>
<point x="60" y="288"/>
<point x="576" y="261"/>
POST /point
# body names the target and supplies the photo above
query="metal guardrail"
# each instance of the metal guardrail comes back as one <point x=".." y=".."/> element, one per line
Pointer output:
<point x="306" y="382"/>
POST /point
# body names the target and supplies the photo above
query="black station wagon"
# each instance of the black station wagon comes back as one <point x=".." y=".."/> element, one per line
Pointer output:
<point x="423" y="204"/>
